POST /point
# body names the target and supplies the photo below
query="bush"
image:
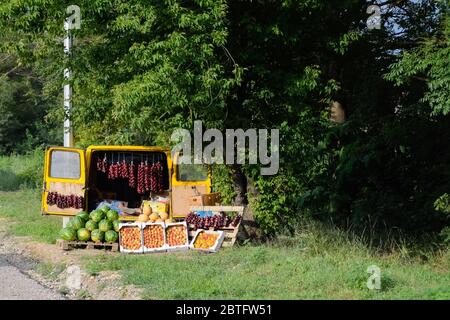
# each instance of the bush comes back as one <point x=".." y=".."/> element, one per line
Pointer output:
<point x="22" y="171"/>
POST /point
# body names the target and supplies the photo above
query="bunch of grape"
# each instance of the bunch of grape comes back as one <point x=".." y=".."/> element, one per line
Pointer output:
<point x="236" y="220"/>
<point x="63" y="202"/>
<point x="131" y="175"/>
<point x="216" y="221"/>
<point x="51" y="198"/>
<point x="194" y="219"/>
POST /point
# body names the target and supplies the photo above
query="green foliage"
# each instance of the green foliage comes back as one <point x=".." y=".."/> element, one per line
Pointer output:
<point x="23" y="127"/>
<point x="222" y="182"/>
<point x="22" y="171"/>
<point x="430" y="63"/>
<point x="142" y="69"/>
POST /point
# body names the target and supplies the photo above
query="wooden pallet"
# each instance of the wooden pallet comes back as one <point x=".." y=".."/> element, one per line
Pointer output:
<point x="68" y="245"/>
<point x="230" y="232"/>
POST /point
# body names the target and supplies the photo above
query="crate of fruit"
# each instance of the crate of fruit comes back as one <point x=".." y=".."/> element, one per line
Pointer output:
<point x="130" y="238"/>
<point x="207" y="240"/>
<point x="154" y="237"/>
<point x="177" y="236"/>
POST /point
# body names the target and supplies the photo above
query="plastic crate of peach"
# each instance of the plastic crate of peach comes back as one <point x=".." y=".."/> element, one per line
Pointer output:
<point x="160" y="237"/>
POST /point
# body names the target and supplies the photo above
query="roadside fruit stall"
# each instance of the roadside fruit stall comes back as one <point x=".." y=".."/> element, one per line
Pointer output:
<point x="133" y="199"/>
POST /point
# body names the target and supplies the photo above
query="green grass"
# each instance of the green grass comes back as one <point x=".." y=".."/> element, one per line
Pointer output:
<point x="23" y="210"/>
<point x="272" y="271"/>
<point x="50" y="270"/>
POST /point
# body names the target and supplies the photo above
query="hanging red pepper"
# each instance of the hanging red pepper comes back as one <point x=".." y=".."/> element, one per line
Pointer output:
<point x="141" y="186"/>
<point x="146" y="177"/>
<point x="132" y="177"/>
<point x="124" y="171"/>
<point x="111" y="172"/>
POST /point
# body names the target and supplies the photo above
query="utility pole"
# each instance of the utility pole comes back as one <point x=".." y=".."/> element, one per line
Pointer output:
<point x="70" y="23"/>
<point x="68" y="132"/>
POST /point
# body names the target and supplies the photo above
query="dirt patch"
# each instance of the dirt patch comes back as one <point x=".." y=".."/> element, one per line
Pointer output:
<point x="27" y="255"/>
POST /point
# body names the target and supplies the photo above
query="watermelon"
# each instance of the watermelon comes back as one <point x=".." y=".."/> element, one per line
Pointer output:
<point x="96" y="215"/>
<point x="83" y="215"/>
<point x="76" y="223"/>
<point x="83" y="234"/>
<point x="105" y="208"/>
<point x="91" y="225"/>
<point x="68" y="234"/>
<point x="116" y="225"/>
<point x="97" y="235"/>
<point x="111" y="236"/>
<point x="105" y="225"/>
<point x="112" y="215"/>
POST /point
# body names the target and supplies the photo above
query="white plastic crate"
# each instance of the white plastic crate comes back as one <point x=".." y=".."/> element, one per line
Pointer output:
<point x="217" y="244"/>
<point x="184" y="246"/>
<point x="159" y="249"/>
<point x="137" y="225"/>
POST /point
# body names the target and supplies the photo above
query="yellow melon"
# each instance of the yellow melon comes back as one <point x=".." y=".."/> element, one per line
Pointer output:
<point x="147" y="210"/>
<point x="164" y="216"/>
<point x="154" y="216"/>
<point x="142" y="218"/>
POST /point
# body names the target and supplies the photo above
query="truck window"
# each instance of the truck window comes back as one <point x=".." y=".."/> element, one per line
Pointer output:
<point x="65" y="165"/>
<point x="192" y="172"/>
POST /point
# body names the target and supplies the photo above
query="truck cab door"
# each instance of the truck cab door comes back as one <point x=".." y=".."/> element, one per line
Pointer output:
<point x="65" y="177"/>
<point x="188" y="180"/>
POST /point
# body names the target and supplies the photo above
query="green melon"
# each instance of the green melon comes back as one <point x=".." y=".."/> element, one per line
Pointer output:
<point x="105" y="208"/>
<point x="112" y="215"/>
<point x="105" y="225"/>
<point x="83" y="215"/>
<point x="97" y="235"/>
<point x="111" y="236"/>
<point x="116" y="224"/>
<point x="76" y="223"/>
<point x="83" y="234"/>
<point x="68" y="234"/>
<point x="96" y="215"/>
<point x="91" y="225"/>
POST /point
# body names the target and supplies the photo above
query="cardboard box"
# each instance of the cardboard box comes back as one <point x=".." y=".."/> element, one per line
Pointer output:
<point x="210" y="199"/>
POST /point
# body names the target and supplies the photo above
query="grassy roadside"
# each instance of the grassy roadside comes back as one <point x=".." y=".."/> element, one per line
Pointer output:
<point x="22" y="209"/>
<point x="314" y="265"/>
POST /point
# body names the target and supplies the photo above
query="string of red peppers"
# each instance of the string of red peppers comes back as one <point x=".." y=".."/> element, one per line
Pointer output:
<point x="146" y="178"/>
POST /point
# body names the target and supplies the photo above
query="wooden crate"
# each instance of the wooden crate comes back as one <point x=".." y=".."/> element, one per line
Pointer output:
<point x="68" y="245"/>
<point x="230" y="232"/>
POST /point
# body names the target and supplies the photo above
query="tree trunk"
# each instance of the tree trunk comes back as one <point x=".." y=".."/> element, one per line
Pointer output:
<point x="240" y="185"/>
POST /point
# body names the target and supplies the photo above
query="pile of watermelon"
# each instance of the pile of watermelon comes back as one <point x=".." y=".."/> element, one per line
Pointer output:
<point x="101" y="225"/>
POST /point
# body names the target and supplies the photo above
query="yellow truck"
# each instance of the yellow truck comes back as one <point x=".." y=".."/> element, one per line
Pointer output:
<point x="73" y="174"/>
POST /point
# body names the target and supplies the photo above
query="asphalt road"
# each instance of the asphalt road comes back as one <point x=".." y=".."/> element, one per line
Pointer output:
<point x="15" y="285"/>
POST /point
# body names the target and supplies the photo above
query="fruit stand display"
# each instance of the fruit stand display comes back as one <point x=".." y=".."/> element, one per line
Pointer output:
<point x="207" y="240"/>
<point x="95" y="230"/>
<point x="154" y="237"/>
<point x="130" y="238"/>
<point x="177" y="236"/>
<point x="224" y="218"/>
